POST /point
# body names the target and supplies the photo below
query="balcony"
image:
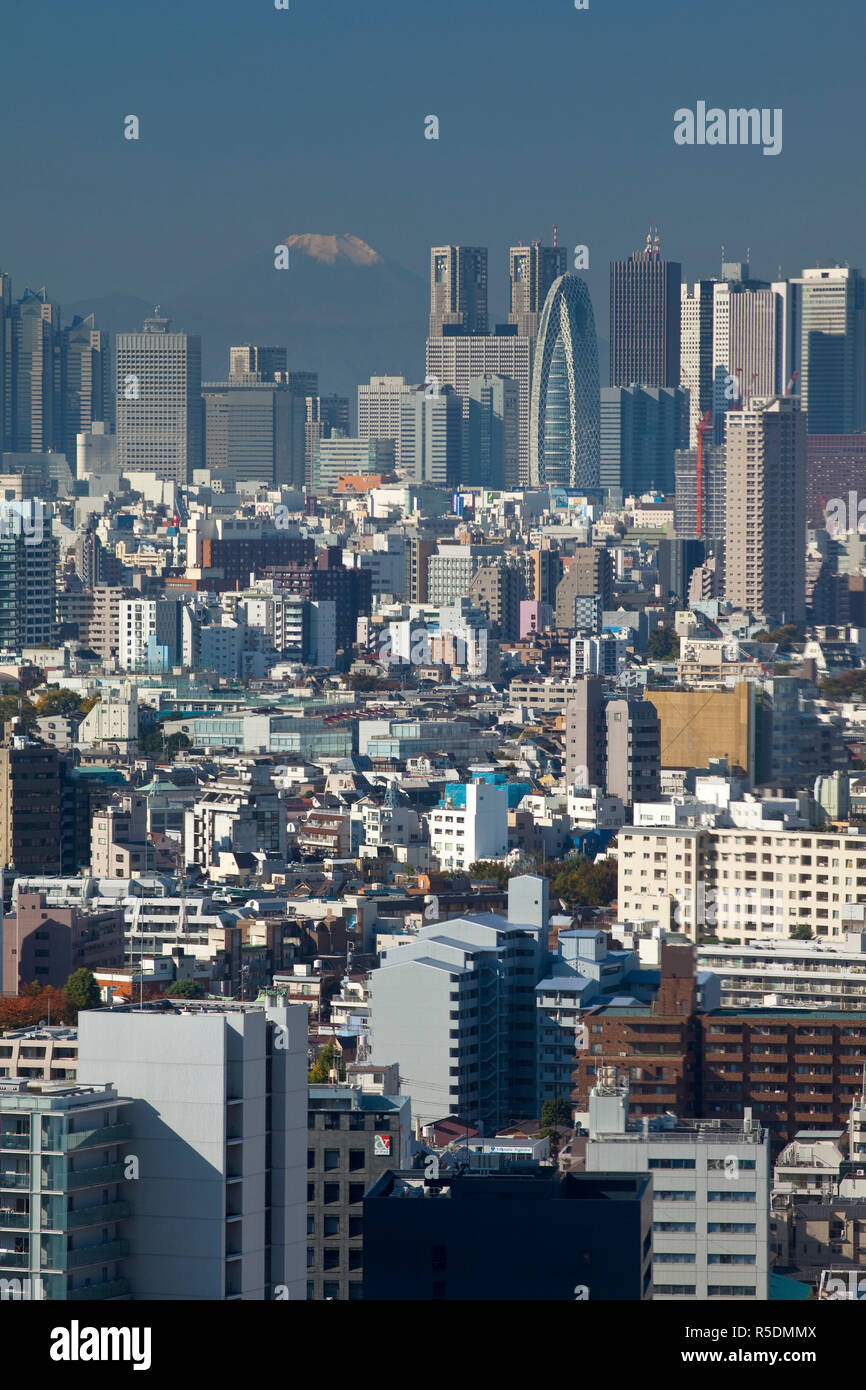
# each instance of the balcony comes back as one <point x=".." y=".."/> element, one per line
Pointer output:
<point x="85" y="1177"/>
<point x="14" y="1220"/>
<point x="96" y="1254"/>
<point x="113" y="1288"/>
<point x="14" y="1141"/>
<point x="14" y="1180"/>
<point x="11" y="1259"/>
<point x="94" y="1138"/>
<point x="96" y="1215"/>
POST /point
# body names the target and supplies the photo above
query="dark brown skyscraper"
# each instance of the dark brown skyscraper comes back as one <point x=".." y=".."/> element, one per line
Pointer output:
<point x="645" y="319"/>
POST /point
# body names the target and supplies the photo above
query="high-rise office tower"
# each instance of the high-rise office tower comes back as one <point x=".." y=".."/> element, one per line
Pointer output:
<point x="251" y="363"/>
<point x="641" y="428"/>
<point x="431" y="429"/>
<point x="491" y="432"/>
<point x="218" y="1108"/>
<point x="564" y="409"/>
<point x="159" y="411"/>
<point x="766" y="509"/>
<point x="532" y="271"/>
<point x="748" y="345"/>
<point x="456" y="361"/>
<point x="84" y="382"/>
<point x="379" y="404"/>
<point x="696" y="349"/>
<point x="35" y="386"/>
<point x="5" y="362"/>
<point x="325" y="416"/>
<point x="458" y="290"/>
<point x="832" y="348"/>
<point x="248" y="430"/>
<point x="645" y="319"/>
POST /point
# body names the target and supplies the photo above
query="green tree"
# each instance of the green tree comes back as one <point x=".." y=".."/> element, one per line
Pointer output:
<point x="556" y="1112"/>
<point x="489" y="871"/>
<point x="81" y="990"/>
<point x="786" y="636"/>
<point x="801" y="932"/>
<point x="663" y="644"/>
<point x="62" y="702"/>
<point x="185" y="989"/>
<point x="9" y="709"/>
<point x="584" y="882"/>
<point x="324" y="1063"/>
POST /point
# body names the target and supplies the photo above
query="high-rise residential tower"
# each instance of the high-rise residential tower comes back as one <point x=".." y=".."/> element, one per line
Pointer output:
<point x="765" y="531"/>
<point x="458" y="290"/>
<point x="564" y="409"/>
<point x="379" y="404"/>
<point x="159" y="411"/>
<point x="532" y="271"/>
<point x="645" y="319"/>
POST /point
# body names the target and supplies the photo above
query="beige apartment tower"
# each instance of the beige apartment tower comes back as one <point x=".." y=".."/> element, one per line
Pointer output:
<point x="765" y="527"/>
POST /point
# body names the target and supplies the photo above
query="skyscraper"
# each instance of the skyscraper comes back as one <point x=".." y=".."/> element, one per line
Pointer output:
<point x="748" y="345"/>
<point x="832" y="317"/>
<point x="248" y="430"/>
<point x="159" y="412"/>
<point x="564" y="409"/>
<point x="532" y="271"/>
<point x="641" y="427"/>
<point x="766" y="509"/>
<point x="251" y="363"/>
<point x="491" y="433"/>
<point x="645" y="319"/>
<point x="34" y="375"/>
<point x="379" y="404"/>
<point x="5" y="362"/>
<point x="431" y="437"/>
<point x="696" y="349"/>
<point x="84" y="382"/>
<point x="326" y="416"/>
<point x="455" y="361"/>
<point x="458" y="290"/>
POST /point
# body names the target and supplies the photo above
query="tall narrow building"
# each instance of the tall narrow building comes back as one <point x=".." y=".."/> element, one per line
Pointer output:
<point x="159" y="410"/>
<point x="765" y="530"/>
<point x="5" y="362"/>
<point x="645" y="319"/>
<point x="832" y="349"/>
<point x="564" y="409"/>
<point x="251" y="363"/>
<point x="35" y="386"/>
<point x="696" y="350"/>
<point x="532" y="271"/>
<point x="458" y="290"/>
<point x="84" y="382"/>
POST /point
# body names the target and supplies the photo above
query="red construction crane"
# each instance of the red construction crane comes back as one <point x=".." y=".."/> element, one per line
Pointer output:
<point x="702" y="427"/>
<point x="790" y="385"/>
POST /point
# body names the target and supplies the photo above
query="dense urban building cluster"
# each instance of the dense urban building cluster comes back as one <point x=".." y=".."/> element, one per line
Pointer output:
<point x="447" y="837"/>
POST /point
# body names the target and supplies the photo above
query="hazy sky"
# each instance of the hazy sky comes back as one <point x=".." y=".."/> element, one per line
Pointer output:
<point x="256" y="123"/>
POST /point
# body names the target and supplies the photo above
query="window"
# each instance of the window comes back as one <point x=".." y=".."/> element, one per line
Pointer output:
<point x="332" y="1226"/>
<point x="674" y="1196"/>
<point x="332" y="1158"/>
<point x="356" y="1192"/>
<point x="357" y="1159"/>
<point x="671" y="1163"/>
<point x="730" y="1290"/>
<point x="673" y="1257"/>
<point x="331" y="1192"/>
<point x="674" y="1226"/>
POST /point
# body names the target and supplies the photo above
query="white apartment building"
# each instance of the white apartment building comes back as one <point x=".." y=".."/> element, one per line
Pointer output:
<point x="791" y="974"/>
<point x="463" y="832"/>
<point x="217" y="1101"/>
<point x="740" y="883"/>
<point x="711" y="1193"/>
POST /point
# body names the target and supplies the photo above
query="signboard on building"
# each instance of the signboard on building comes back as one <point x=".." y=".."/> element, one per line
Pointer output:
<point x="381" y="1146"/>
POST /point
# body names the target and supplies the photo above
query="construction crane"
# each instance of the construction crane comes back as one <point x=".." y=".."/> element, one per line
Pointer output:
<point x="702" y="428"/>
<point x="790" y="387"/>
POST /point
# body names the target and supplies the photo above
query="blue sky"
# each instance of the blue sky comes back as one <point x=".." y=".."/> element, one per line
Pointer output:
<point x="256" y="123"/>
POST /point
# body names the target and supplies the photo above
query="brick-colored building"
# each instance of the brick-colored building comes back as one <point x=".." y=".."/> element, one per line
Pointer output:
<point x="46" y="944"/>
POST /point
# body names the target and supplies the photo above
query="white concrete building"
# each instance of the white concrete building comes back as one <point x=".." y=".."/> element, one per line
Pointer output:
<point x="711" y="1193"/>
<point x="463" y="831"/>
<point x="218" y="1111"/>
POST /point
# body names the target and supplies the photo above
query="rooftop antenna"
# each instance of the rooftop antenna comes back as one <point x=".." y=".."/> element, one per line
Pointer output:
<point x="656" y="243"/>
<point x="723" y="258"/>
<point x="555" y="235"/>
